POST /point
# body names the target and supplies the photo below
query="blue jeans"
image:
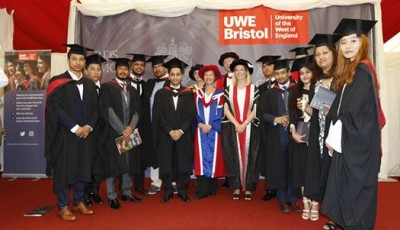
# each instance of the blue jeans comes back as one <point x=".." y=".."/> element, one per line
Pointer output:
<point x="63" y="196"/>
<point x="284" y="195"/>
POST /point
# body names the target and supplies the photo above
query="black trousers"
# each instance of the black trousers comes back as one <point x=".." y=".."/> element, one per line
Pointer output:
<point x="181" y="180"/>
<point x="206" y="186"/>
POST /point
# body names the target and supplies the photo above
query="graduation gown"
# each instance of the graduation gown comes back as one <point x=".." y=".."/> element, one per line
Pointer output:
<point x="351" y="191"/>
<point x="98" y="161"/>
<point x="140" y="85"/>
<point x="111" y="97"/>
<point x="317" y="164"/>
<point x="267" y="85"/>
<point x="273" y="166"/>
<point x="68" y="156"/>
<point x="241" y="158"/>
<point x="166" y="118"/>
<point x="297" y="151"/>
<point x="208" y="159"/>
<point x="150" y="156"/>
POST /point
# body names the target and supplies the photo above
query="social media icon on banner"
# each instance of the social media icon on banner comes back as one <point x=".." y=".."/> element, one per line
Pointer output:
<point x="31" y="133"/>
<point x="22" y="134"/>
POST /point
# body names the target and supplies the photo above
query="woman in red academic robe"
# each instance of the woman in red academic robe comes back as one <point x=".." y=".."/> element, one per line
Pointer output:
<point x="240" y="131"/>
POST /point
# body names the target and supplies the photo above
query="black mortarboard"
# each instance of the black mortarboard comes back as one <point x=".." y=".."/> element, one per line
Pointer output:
<point x="94" y="59"/>
<point x="121" y="62"/>
<point x="301" y="50"/>
<point x="77" y="49"/>
<point x="157" y="59"/>
<point x="243" y="62"/>
<point x="268" y="59"/>
<point x="325" y="40"/>
<point x="175" y="63"/>
<point x="193" y="69"/>
<point x="280" y="64"/>
<point x="358" y="26"/>
<point x="138" y="57"/>
<point x="302" y="62"/>
<point x="226" y="55"/>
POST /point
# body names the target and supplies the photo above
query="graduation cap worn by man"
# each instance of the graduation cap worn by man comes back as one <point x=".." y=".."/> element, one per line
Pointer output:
<point x="175" y="63"/>
<point x="94" y="59"/>
<point x="157" y="59"/>
<point x="282" y="63"/>
<point x="137" y="57"/>
<point x="121" y="62"/>
<point x="268" y="59"/>
<point x="77" y="49"/>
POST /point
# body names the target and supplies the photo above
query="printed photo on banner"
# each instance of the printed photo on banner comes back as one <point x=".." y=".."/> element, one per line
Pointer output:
<point x="28" y="69"/>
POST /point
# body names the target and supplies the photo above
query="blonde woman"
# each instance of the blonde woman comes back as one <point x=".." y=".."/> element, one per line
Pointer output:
<point x="240" y="130"/>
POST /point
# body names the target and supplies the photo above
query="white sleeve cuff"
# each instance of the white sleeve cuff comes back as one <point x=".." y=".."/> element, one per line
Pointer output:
<point x="73" y="130"/>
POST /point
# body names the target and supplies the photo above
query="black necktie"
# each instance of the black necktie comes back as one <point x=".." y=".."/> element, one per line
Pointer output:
<point x="285" y="98"/>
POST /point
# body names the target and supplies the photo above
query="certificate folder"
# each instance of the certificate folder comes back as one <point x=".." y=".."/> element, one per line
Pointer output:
<point x="323" y="97"/>
<point x="303" y="129"/>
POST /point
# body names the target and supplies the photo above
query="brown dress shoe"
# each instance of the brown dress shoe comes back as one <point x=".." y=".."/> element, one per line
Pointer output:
<point x="81" y="208"/>
<point x="66" y="214"/>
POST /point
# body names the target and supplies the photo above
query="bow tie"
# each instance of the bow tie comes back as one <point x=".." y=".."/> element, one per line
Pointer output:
<point x="136" y="79"/>
<point x="160" y="80"/>
<point x="80" y="81"/>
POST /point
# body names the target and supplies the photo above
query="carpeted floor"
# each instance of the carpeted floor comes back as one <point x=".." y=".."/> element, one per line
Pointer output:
<point x="219" y="212"/>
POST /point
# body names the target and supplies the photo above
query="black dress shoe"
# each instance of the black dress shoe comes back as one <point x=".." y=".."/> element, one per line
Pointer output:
<point x="225" y="184"/>
<point x="114" y="204"/>
<point x="97" y="199"/>
<point x="142" y="191"/>
<point x="131" y="198"/>
<point x="198" y="197"/>
<point x="266" y="197"/>
<point x="87" y="201"/>
<point x="184" y="197"/>
<point x="166" y="198"/>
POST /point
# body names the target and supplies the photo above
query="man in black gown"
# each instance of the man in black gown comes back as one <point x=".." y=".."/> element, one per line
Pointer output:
<point x="119" y="111"/>
<point x="268" y="73"/>
<point x="275" y="121"/>
<point x="94" y="72"/>
<point x="174" y="115"/>
<point x="147" y="118"/>
<point x="138" y="64"/>
<point x="71" y="115"/>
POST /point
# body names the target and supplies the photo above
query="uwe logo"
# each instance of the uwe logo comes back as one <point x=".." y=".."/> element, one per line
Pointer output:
<point x="262" y="25"/>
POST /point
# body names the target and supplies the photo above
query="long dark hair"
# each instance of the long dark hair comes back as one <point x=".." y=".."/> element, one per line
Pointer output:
<point x="317" y="71"/>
